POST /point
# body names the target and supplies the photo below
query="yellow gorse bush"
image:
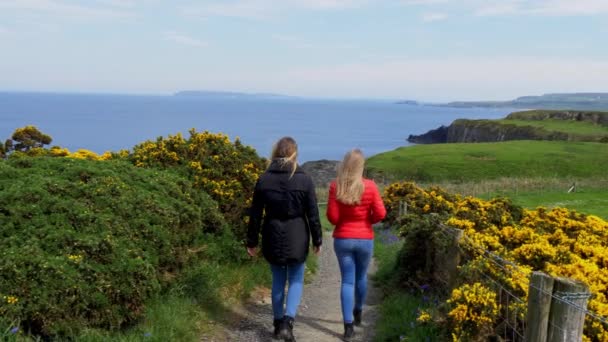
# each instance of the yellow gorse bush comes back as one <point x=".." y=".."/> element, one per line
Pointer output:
<point x="57" y="151"/>
<point x="225" y="170"/>
<point x="474" y="311"/>
<point x="559" y="241"/>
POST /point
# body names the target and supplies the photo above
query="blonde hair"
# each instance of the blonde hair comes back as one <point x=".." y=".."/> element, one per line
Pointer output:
<point x="285" y="152"/>
<point x="349" y="182"/>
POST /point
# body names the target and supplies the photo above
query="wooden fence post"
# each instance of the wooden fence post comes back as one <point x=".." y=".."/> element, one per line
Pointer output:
<point x="567" y="317"/>
<point x="402" y="208"/>
<point x="447" y="261"/>
<point x="539" y="305"/>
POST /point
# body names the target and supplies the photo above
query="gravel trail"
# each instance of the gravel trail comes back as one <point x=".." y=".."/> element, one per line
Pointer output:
<point x="319" y="316"/>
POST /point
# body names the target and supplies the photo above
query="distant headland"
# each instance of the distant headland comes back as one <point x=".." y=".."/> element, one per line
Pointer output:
<point x="230" y="95"/>
<point x="576" y="101"/>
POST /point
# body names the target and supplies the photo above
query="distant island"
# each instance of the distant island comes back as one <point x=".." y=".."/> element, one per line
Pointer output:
<point x="230" y="95"/>
<point x="574" y="101"/>
<point x="408" y="102"/>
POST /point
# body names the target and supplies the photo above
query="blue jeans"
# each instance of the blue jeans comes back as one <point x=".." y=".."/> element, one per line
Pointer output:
<point x="353" y="256"/>
<point x="280" y="275"/>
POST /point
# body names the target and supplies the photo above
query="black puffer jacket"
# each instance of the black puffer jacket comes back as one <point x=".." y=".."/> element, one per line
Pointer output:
<point x="291" y="215"/>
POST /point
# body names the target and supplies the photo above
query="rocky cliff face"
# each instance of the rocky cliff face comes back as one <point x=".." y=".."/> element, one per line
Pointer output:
<point x="467" y="131"/>
<point x="321" y="171"/>
<point x="464" y="131"/>
<point x="434" y="136"/>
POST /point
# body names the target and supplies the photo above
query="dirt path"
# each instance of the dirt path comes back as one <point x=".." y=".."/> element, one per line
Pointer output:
<point x="319" y="317"/>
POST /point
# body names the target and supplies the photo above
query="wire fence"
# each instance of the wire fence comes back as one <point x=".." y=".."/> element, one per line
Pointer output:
<point x="513" y="307"/>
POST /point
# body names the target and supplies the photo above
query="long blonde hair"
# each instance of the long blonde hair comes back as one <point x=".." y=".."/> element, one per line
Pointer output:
<point x="285" y="152"/>
<point x="349" y="182"/>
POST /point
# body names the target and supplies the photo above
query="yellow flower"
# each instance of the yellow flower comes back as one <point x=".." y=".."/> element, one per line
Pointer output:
<point x="75" y="258"/>
<point x="423" y="317"/>
<point x="10" y="299"/>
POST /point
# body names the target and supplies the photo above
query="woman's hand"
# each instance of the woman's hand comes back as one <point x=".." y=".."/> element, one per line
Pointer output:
<point x="316" y="250"/>
<point x="252" y="251"/>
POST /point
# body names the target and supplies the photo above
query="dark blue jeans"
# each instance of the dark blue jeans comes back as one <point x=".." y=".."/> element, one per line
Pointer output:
<point x="280" y="275"/>
<point x="354" y="256"/>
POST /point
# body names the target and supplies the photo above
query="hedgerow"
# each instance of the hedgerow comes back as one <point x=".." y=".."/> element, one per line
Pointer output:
<point x="226" y="170"/>
<point x="559" y="242"/>
<point x="86" y="243"/>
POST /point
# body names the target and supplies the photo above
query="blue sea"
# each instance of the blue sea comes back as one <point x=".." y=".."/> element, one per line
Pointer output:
<point x="324" y="129"/>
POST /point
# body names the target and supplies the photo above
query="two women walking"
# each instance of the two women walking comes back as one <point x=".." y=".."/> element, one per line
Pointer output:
<point x="284" y="208"/>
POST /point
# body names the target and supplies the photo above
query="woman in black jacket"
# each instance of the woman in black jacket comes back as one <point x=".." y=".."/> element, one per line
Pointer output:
<point x="285" y="198"/>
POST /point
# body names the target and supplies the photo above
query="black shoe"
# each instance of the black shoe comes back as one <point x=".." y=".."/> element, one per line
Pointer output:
<point x="286" y="331"/>
<point x="357" y="315"/>
<point x="277" y="328"/>
<point x="349" y="332"/>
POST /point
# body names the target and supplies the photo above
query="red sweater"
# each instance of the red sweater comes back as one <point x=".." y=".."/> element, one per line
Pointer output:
<point x="355" y="221"/>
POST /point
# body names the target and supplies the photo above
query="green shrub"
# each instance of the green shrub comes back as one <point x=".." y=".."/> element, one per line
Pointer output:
<point x="84" y="244"/>
<point x="226" y="170"/>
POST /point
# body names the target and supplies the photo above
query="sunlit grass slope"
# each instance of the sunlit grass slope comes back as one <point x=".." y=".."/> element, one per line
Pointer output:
<point x="481" y="161"/>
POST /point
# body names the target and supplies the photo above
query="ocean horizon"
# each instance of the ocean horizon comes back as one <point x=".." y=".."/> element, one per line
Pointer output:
<point x="323" y="128"/>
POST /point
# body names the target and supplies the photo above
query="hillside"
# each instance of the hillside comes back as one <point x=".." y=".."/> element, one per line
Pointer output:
<point x="526" y="125"/>
<point x="473" y="162"/>
<point x="580" y="101"/>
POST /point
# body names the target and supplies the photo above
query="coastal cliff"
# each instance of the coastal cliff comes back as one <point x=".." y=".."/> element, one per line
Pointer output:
<point x="526" y="125"/>
<point x="466" y="131"/>
<point x="434" y="136"/>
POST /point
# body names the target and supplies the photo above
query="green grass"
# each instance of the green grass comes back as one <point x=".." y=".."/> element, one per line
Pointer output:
<point x="482" y="161"/>
<point x="171" y="318"/>
<point x="327" y="226"/>
<point x="590" y="197"/>
<point x="399" y="309"/>
<point x="587" y="201"/>
<point x="398" y="320"/>
<point x="206" y="293"/>
<point x="580" y="128"/>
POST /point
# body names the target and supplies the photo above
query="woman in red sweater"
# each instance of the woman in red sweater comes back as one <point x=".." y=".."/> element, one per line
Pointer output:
<point x="354" y="204"/>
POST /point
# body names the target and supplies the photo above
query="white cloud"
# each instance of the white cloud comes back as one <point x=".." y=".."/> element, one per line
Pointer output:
<point x="62" y="8"/>
<point x="117" y="3"/>
<point x="298" y="43"/>
<point x="330" y="4"/>
<point x="464" y="79"/>
<point x="543" y="7"/>
<point x="571" y="7"/>
<point x="497" y="9"/>
<point x="520" y="7"/>
<point x="263" y="9"/>
<point x="423" y="2"/>
<point x="430" y="17"/>
<point x="183" y="39"/>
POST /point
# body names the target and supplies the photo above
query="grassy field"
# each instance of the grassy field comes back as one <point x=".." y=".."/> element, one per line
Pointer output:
<point x="589" y="201"/>
<point x="531" y="173"/>
<point x="590" y="195"/>
<point x="583" y="129"/>
<point x="481" y="161"/>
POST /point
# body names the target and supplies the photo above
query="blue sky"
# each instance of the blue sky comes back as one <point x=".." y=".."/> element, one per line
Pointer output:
<point x="432" y="50"/>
